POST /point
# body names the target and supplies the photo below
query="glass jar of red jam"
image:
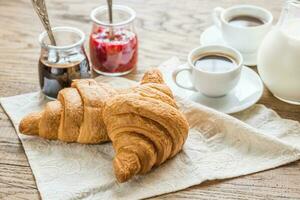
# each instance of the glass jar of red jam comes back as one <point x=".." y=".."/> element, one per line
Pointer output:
<point x="113" y="46"/>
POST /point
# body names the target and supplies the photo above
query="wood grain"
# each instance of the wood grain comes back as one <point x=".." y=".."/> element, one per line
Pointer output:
<point x="166" y="28"/>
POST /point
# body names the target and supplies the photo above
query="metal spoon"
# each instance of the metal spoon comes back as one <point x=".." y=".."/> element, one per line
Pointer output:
<point x="41" y="9"/>
<point x="110" y="17"/>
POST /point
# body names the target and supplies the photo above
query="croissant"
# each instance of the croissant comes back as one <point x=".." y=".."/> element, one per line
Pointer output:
<point x="75" y="117"/>
<point x="143" y="122"/>
<point x="145" y="127"/>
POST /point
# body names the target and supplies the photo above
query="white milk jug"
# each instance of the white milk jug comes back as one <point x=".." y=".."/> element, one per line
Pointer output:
<point x="279" y="55"/>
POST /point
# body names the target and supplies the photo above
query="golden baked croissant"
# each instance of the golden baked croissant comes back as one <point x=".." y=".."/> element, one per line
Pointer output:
<point x="75" y="117"/>
<point x="145" y="127"/>
<point x="143" y="122"/>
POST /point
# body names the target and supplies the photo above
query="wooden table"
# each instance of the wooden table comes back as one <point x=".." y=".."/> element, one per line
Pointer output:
<point x="166" y="28"/>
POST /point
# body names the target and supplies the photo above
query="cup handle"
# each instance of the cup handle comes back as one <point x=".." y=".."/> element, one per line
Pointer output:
<point x="175" y="74"/>
<point x="217" y="16"/>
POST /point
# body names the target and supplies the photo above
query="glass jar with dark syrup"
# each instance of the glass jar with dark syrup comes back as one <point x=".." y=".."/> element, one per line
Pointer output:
<point x="60" y="64"/>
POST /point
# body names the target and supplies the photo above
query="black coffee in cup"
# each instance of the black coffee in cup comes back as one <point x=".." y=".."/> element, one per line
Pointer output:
<point x="246" y="21"/>
<point x="215" y="63"/>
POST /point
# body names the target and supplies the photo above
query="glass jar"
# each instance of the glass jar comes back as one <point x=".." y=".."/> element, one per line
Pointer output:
<point x="279" y="53"/>
<point x="60" y="64"/>
<point x="113" y="47"/>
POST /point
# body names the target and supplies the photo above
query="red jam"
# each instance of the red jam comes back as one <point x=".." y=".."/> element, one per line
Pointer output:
<point x="116" y="54"/>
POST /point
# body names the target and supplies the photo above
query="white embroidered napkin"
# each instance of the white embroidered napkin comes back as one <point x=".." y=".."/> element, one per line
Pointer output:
<point x="219" y="146"/>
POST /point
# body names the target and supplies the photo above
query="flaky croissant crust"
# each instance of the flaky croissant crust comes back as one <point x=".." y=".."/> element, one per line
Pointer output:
<point x="76" y="115"/>
<point x="143" y="123"/>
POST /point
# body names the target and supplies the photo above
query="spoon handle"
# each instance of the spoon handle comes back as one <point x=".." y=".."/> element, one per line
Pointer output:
<point x="41" y="9"/>
<point x="109" y="3"/>
<point x="110" y="17"/>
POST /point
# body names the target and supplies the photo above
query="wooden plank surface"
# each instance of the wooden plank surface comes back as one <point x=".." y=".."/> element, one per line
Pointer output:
<point x="166" y="28"/>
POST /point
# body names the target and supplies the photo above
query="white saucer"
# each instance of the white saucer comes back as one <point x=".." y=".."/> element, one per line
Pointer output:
<point x="248" y="91"/>
<point x="212" y="35"/>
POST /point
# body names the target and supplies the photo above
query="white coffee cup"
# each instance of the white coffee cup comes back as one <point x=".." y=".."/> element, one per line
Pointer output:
<point x="212" y="84"/>
<point x="245" y="39"/>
